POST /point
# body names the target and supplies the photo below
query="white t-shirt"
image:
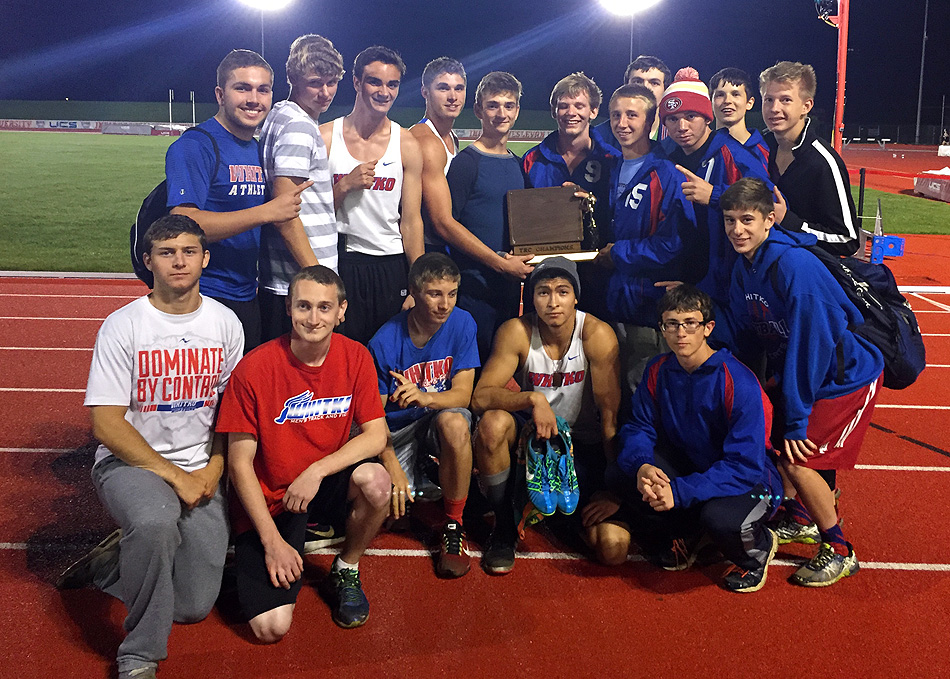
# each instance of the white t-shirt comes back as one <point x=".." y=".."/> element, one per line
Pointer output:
<point x="169" y="370"/>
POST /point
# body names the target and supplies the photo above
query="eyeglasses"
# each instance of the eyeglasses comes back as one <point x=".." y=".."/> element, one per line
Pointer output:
<point x="690" y="326"/>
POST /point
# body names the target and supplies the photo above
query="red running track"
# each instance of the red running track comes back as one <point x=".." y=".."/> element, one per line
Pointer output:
<point x="554" y="616"/>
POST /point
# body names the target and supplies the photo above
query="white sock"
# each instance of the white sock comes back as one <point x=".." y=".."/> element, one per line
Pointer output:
<point x="340" y="564"/>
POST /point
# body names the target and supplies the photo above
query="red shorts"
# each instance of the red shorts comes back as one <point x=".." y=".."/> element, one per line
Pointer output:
<point x="838" y="425"/>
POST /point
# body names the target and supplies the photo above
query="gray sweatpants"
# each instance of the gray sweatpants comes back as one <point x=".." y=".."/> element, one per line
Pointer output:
<point x="170" y="558"/>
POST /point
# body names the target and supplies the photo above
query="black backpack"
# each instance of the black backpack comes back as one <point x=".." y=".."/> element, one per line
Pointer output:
<point x="889" y="324"/>
<point x="154" y="206"/>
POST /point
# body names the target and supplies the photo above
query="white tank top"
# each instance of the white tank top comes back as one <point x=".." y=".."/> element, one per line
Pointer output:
<point x="573" y="400"/>
<point x="450" y="153"/>
<point x="370" y="217"/>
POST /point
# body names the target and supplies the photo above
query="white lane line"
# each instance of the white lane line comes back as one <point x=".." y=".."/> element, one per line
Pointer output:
<point x="38" y="450"/>
<point x="907" y="407"/>
<point x="934" y="334"/>
<point x="89" y="297"/>
<point x="90" y="349"/>
<point x="935" y="365"/>
<point x="54" y="391"/>
<point x="939" y="305"/>
<point x="900" y="468"/>
<point x="933" y="289"/>
<point x="539" y="556"/>
<point x="47" y="318"/>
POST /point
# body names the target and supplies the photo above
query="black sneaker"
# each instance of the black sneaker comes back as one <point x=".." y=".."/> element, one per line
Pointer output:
<point x="499" y="557"/>
<point x="103" y="556"/>
<point x="344" y="592"/>
<point x="320" y="535"/>
<point x="454" y="560"/>
<point x="678" y="555"/>
<point x="738" y="579"/>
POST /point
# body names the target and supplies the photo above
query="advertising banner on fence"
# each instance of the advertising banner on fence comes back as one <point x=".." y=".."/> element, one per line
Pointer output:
<point x="52" y="125"/>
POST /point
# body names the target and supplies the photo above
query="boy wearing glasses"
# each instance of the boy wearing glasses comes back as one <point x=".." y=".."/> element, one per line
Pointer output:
<point x="696" y="446"/>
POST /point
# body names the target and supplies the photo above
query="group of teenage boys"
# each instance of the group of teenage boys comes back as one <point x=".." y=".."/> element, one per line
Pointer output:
<point x="373" y="262"/>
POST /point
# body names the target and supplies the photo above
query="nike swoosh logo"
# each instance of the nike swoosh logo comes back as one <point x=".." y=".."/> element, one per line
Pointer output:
<point x="571" y="358"/>
<point x="389" y="163"/>
<point x="529" y="476"/>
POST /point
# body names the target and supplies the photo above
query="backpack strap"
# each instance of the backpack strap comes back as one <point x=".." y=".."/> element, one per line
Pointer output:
<point x="214" y="145"/>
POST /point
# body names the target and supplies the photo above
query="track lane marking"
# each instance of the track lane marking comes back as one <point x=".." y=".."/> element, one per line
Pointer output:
<point x="31" y="294"/>
<point x="939" y="305"/>
<point x="43" y="391"/>
<point x="537" y="556"/>
<point x="48" y="318"/>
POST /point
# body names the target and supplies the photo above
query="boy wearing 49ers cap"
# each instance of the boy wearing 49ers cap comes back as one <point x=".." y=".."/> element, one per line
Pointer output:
<point x="711" y="162"/>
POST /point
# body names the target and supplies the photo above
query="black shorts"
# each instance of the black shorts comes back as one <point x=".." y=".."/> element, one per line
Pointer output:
<point x="249" y="313"/>
<point x="376" y="288"/>
<point x="255" y="591"/>
<point x="274" y="319"/>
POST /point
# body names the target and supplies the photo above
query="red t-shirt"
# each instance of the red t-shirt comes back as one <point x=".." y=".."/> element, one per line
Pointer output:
<point x="298" y="413"/>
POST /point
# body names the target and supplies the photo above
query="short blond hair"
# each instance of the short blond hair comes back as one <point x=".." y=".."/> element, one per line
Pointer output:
<point x="789" y="72"/>
<point x="313" y="53"/>
<point x="571" y="86"/>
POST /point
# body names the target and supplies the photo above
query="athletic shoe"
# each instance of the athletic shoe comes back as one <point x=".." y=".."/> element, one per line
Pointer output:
<point x="538" y="468"/>
<point x="826" y="568"/>
<point x="344" y="592"/>
<point x="139" y="673"/>
<point x="789" y="530"/>
<point x="499" y="556"/>
<point x="83" y="572"/>
<point x="738" y="579"/>
<point x="568" y="494"/>
<point x="320" y="535"/>
<point x="454" y="560"/>
<point x="677" y="556"/>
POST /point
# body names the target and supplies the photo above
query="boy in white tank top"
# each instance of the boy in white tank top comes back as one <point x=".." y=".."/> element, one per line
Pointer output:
<point x="567" y="364"/>
<point x="443" y="88"/>
<point x="377" y="191"/>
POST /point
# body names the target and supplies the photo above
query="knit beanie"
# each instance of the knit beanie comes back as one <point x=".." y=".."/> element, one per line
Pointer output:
<point x="687" y="93"/>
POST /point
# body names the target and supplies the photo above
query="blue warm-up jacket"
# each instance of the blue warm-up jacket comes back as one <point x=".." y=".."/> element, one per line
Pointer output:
<point x="656" y="240"/>
<point x="712" y="423"/>
<point x="801" y="315"/>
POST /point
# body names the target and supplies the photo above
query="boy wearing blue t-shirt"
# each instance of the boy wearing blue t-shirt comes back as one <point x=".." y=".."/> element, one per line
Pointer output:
<point x="425" y="362"/>
<point x="216" y="179"/>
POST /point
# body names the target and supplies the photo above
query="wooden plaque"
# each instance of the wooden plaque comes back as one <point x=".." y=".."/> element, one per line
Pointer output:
<point x="545" y="221"/>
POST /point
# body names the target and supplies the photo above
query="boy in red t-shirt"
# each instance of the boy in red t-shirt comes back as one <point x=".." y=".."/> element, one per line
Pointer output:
<point x="288" y="412"/>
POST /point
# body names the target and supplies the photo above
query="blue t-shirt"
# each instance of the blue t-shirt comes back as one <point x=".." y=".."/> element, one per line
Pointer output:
<point x="479" y="183"/>
<point x="239" y="184"/>
<point x="451" y="349"/>
<point x="628" y="169"/>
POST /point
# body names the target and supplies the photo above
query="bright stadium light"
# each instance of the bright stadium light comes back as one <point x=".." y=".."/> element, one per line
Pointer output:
<point x="628" y="8"/>
<point x="266" y="6"/>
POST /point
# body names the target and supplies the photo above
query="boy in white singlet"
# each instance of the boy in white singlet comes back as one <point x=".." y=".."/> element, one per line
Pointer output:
<point x="377" y="190"/>
<point x="443" y="87"/>
<point x="566" y="362"/>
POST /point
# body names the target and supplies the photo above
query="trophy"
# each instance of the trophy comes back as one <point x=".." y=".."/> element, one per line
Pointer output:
<point x="552" y="221"/>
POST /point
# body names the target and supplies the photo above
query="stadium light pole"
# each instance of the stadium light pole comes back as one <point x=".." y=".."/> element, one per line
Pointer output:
<point x="920" y="91"/>
<point x="628" y="8"/>
<point x="266" y="6"/>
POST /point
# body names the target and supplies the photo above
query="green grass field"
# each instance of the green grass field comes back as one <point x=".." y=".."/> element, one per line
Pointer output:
<point x="68" y="200"/>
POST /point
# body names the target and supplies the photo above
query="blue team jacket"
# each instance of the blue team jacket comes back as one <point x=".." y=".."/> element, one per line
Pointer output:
<point x="655" y="240"/>
<point x="543" y="166"/>
<point x="801" y="321"/>
<point x="713" y="423"/>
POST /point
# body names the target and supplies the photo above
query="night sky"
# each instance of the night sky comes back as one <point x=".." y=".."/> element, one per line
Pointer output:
<point x="136" y="51"/>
